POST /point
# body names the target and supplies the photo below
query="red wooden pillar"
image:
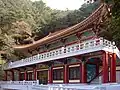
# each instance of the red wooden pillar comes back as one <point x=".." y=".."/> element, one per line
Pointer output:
<point x="66" y="79"/>
<point x="50" y="75"/>
<point x="113" y="68"/>
<point x="83" y="73"/>
<point x="5" y="75"/>
<point x="25" y="75"/>
<point x="105" y="72"/>
<point x="12" y="75"/>
<point x="35" y="73"/>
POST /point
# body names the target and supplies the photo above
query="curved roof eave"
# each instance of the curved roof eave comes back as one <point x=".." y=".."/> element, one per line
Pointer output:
<point x="65" y="32"/>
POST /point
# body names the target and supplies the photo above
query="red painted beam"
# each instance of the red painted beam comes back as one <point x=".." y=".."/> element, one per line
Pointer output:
<point x="105" y="72"/>
<point x="113" y="68"/>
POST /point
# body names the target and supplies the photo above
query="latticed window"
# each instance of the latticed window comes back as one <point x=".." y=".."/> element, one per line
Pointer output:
<point x="30" y="75"/>
<point x="58" y="74"/>
<point x="22" y="76"/>
<point x="42" y="76"/>
<point x="74" y="73"/>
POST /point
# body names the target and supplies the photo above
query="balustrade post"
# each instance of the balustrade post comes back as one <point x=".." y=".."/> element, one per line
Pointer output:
<point x="105" y="73"/>
<point x="113" y="68"/>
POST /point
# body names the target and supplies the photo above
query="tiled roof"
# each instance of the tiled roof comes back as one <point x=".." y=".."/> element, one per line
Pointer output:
<point x="65" y="32"/>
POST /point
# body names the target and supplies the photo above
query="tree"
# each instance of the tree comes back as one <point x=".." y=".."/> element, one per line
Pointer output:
<point x="23" y="22"/>
<point x="14" y="17"/>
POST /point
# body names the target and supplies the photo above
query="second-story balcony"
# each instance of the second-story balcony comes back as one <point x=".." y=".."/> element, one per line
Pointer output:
<point x="88" y="46"/>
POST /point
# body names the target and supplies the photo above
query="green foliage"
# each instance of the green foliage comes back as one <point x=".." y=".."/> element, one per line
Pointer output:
<point x="115" y="22"/>
<point x="112" y="28"/>
<point x="63" y="19"/>
<point x="23" y="22"/>
<point x="16" y="25"/>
